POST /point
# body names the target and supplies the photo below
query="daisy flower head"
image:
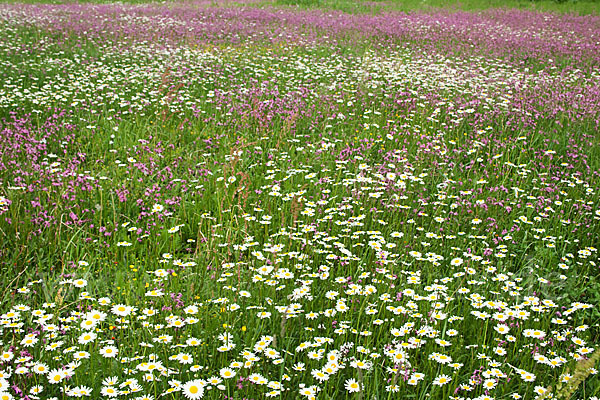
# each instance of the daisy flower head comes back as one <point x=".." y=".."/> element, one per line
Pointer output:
<point x="535" y="333"/>
<point x="227" y="373"/>
<point x="412" y="381"/>
<point x="109" y="351"/>
<point x="121" y="310"/>
<point x="214" y="380"/>
<point x="319" y="375"/>
<point x="352" y="385"/>
<point x="81" y="391"/>
<point x="456" y="262"/>
<point x="80" y="283"/>
<point x="81" y="355"/>
<point x="110" y="381"/>
<point x="264" y="314"/>
<point x="185" y="358"/>
<point x="308" y="392"/>
<point x="88" y="324"/>
<point x="55" y="376"/>
<point x="490" y="384"/>
<point x="40" y="368"/>
<point x="258" y="379"/>
<point x="104" y="301"/>
<point x="86" y="338"/>
<point x="441" y="380"/>
<point x="193" y="389"/>
<point x="29" y="341"/>
<point x="109" y="391"/>
<point x="540" y="390"/>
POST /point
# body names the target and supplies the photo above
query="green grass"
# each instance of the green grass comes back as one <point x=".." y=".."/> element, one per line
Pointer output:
<point x="581" y="7"/>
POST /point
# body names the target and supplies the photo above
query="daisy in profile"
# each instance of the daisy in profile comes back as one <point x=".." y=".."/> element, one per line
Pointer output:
<point x="104" y="301"/>
<point x="411" y="381"/>
<point x="81" y="391"/>
<point x="81" y="355"/>
<point x="214" y="380"/>
<point x="527" y="376"/>
<point x="264" y="314"/>
<point x="193" y="389"/>
<point x="256" y="378"/>
<point x="110" y="381"/>
<point x="29" y="341"/>
<point x="307" y="392"/>
<point x="96" y="316"/>
<point x="192" y="341"/>
<point x="319" y="375"/>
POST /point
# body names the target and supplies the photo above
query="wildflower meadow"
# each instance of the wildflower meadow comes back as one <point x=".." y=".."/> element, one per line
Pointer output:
<point x="221" y="200"/>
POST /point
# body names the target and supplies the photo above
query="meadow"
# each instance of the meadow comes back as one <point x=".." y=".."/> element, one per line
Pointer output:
<point x="244" y="201"/>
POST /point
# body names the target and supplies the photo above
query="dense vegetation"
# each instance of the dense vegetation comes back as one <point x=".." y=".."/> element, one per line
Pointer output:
<point x="203" y="200"/>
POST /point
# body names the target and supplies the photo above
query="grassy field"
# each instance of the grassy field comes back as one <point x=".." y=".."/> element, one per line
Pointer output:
<point x="582" y="7"/>
<point x="227" y="201"/>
